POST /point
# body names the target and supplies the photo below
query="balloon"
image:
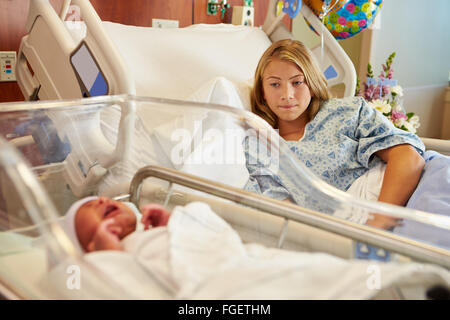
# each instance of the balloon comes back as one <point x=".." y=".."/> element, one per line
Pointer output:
<point x="316" y="5"/>
<point x="292" y="7"/>
<point x="351" y="18"/>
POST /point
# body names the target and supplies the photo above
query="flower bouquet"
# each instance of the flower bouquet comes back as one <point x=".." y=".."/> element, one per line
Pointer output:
<point x="384" y="94"/>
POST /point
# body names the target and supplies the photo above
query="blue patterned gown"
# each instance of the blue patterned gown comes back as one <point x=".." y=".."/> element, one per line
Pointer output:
<point x="338" y="145"/>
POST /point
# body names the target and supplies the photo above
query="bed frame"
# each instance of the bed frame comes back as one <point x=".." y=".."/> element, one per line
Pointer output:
<point x="48" y="46"/>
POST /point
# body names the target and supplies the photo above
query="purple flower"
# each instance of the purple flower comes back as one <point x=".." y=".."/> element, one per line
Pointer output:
<point x="390" y="73"/>
<point x="398" y="115"/>
<point x="369" y="92"/>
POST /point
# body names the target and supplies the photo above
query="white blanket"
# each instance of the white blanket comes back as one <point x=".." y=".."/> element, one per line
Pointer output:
<point x="157" y="140"/>
<point x="199" y="256"/>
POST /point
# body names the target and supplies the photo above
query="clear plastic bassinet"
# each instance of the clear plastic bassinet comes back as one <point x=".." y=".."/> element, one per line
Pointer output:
<point x="171" y="152"/>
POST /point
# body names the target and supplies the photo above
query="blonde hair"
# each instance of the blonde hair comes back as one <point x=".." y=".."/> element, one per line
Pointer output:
<point x="296" y="52"/>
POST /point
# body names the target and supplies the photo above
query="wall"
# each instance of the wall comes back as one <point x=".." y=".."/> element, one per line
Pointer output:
<point x="12" y="29"/>
<point x="418" y="31"/>
<point x="13" y="15"/>
<point x="141" y="12"/>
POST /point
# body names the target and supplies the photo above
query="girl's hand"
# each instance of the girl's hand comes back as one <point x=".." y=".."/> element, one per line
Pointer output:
<point x="106" y="237"/>
<point x="383" y="222"/>
<point x="154" y="215"/>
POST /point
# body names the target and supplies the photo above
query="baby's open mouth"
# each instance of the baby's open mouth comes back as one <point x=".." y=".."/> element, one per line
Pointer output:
<point x="110" y="208"/>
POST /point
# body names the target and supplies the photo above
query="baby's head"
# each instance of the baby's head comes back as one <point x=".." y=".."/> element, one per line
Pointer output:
<point x="84" y="218"/>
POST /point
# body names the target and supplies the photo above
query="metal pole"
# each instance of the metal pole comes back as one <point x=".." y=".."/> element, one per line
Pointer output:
<point x="380" y="238"/>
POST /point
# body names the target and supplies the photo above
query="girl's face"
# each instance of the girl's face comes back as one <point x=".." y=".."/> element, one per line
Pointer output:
<point x="285" y="90"/>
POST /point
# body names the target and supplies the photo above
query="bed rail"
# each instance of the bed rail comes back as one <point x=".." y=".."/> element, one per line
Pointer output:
<point x="383" y="239"/>
<point x="54" y="77"/>
<point x="442" y="146"/>
<point x="330" y="56"/>
<point x="48" y="49"/>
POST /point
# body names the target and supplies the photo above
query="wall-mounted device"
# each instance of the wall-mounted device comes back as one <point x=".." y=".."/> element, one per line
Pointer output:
<point x="244" y="15"/>
<point x="7" y="66"/>
<point x="214" y="6"/>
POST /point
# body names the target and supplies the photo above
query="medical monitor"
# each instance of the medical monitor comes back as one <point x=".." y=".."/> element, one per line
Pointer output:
<point x="90" y="77"/>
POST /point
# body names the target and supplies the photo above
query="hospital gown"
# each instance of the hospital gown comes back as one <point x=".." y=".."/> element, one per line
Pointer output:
<point x="338" y="146"/>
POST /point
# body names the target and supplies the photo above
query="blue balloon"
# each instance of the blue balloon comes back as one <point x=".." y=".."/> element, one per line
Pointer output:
<point x="290" y="8"/>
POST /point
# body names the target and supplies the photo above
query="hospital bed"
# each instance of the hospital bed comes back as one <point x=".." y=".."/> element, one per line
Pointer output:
<point x="147" y="61"/>
<point x="189" y="152"/>
<point x="73" y="59"/>
<point x="97" y="145"/>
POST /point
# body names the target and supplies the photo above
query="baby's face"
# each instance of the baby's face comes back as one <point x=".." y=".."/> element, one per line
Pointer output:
<point x="91" y="214"/>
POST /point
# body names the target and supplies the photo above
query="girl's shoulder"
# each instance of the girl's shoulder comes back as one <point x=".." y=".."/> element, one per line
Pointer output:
<point x="347" y="102"/>
<point x="343" y="105"/>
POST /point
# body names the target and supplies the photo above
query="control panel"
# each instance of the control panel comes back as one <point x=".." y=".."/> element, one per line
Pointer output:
<point x="365" y="251"/>
<point x="8" y="66"/>
<point x="243" y="16"/>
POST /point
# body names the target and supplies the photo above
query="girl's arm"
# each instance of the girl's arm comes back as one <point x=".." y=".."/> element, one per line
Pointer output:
<point x="404" y="166"/>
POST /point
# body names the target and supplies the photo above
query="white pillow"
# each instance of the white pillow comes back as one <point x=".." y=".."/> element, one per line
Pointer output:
<point x="225" y="92"/>
<point x="215" y="139"/>
<point x="175" y="63"/>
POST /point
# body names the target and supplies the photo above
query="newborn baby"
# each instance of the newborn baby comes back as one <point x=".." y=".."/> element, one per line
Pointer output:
<point x="100" y="223"/>
<point x="198" y="255"/>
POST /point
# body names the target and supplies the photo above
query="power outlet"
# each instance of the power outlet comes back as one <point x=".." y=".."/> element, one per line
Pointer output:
<point x="164" y="23"/>
<point x="7" y="66"/>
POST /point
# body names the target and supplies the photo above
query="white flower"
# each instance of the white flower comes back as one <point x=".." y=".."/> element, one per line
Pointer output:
<point x="400" y="122"/>
<point x="415" y="121"/>
<point x="410" y="127"/>
<point x="381" y="105"/>
<point x="397" y="107"/>
<point x="397" y="90"/>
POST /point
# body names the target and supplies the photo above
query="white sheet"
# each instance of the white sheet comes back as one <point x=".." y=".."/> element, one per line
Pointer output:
<point x="158" y="139"/>
<point x="199" y="256"/>
<point x="366" y="187"/>
<point x="219" y="153"/>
